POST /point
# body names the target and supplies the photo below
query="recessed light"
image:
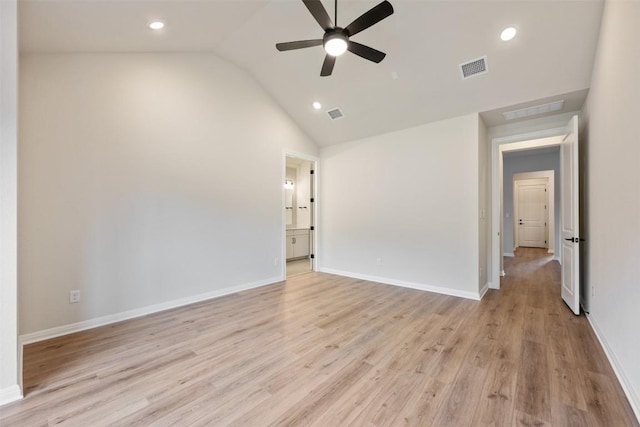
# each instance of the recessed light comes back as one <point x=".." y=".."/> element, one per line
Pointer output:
<point x="317" y="105"/>
<point x="508" y="33"/>
<point x="156" y="25"/>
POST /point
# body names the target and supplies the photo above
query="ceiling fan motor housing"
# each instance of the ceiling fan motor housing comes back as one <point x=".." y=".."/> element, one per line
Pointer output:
<point x="335" y="41"/>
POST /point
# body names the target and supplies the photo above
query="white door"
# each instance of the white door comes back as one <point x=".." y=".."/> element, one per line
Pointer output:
<point x="570" y="229"/>
<point x="532" y="214"/>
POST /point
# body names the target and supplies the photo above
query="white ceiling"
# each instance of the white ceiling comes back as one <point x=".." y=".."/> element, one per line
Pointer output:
<point x="425" y="42"/>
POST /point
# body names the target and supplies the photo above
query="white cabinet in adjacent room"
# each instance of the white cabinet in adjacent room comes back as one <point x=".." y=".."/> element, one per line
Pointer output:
<point x="297" y="243"/>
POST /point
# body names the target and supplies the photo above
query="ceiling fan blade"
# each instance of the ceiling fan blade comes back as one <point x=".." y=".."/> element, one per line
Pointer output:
<point x="327" y="66"/>
<point x="373" y="16"/>
<point x="365" y="52"/>
<point x="300" y="44"/>
<point x="319" y="13"/>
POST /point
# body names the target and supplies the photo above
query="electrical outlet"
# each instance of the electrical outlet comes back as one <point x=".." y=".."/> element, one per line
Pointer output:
<point x="74" y="296"/>
<point x="378" y="261"/>
<point x="275" y="261"/>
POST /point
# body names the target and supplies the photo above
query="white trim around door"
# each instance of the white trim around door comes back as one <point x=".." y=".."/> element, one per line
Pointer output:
<point x="315" y="166"/>
<point x="525" y="141"/>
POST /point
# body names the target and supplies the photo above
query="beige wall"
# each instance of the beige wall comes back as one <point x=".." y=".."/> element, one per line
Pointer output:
<point x="145" y="179"/>
<point x="9" y="377"/>
<point x="484" y="206"/>
<point x="402" y="207"/>
<point x="611" y="191"/>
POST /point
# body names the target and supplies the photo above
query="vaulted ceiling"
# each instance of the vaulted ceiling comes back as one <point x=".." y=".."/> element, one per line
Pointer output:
<point x="418" y="82"/>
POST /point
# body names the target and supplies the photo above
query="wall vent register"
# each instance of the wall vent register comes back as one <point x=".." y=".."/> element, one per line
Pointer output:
<point x="534" y="110"/>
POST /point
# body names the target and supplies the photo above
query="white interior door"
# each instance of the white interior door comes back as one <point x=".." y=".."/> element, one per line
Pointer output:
<point x="570" y="225"/>
<point x="532" y="214"/>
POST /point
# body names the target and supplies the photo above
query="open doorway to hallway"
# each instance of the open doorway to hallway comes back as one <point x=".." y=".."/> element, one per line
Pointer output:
<point x="299" y="207"/>
<point x="567" y="139"/>
<point x="531" y="200"/>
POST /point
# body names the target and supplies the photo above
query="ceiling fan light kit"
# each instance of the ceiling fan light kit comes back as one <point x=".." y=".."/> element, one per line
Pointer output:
<point x="335" y="44"/>
<point x="336" y="40"/>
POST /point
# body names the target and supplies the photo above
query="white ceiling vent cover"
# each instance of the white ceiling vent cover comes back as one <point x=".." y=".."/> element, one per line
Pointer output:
<point x="474" y="68"/>
<point x="534" y="110"/>
<point x="335" y="114"/>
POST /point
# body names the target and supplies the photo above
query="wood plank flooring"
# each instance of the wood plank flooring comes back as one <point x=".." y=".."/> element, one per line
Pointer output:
<point x="326" y="350"/>
<point x="298" y="266"/>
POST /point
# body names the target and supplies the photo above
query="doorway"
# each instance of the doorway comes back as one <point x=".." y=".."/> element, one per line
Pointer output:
<point x="299" y="214"/>
<point x="530" y="207"/>
<point x="541" y="233"/>
<point x="504" y="151"/>
<point x="567" y="139"/>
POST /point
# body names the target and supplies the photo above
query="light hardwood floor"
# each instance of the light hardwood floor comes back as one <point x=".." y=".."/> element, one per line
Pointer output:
<point x="331" y="351"/>
<point x="299" y="266"/>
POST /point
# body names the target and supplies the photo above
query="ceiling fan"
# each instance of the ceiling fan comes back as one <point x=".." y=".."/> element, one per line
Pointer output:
<point x="336" y="39"/>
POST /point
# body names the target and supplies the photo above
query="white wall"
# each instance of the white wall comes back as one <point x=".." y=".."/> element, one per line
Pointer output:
<point x="531" y="125"/>
<point x="9" y="376"/>
<point x="129" y="186"/>
<point x="408" y="199"/>
<point x="484" y="205"/>
<point x="529" y="162"/>
<point x="612" y="191"/>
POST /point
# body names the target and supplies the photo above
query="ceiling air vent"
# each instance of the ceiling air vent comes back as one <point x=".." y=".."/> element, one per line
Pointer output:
<point x="335" y="114"/>
<point x="474" y="68"/>
<point x="534" y="110"/>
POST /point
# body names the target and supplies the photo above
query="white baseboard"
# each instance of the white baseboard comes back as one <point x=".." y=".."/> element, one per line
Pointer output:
<point x="10" y="394"/>
<point x="119" y="317"/>
<point x="633" y="399"/>
<point x="484" y="289"/>
<point x="404" y="284"/>
<point x="509" y="254"/>
<point x="556" y="258"/>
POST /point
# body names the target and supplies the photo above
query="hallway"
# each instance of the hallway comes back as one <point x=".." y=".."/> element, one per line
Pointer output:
<point x="564" y="376"/>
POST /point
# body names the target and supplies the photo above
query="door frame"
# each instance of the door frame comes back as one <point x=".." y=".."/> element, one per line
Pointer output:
<point x="519" y="142"/>
<point x="549" y="175"/>
<point x="313" y="235"/>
